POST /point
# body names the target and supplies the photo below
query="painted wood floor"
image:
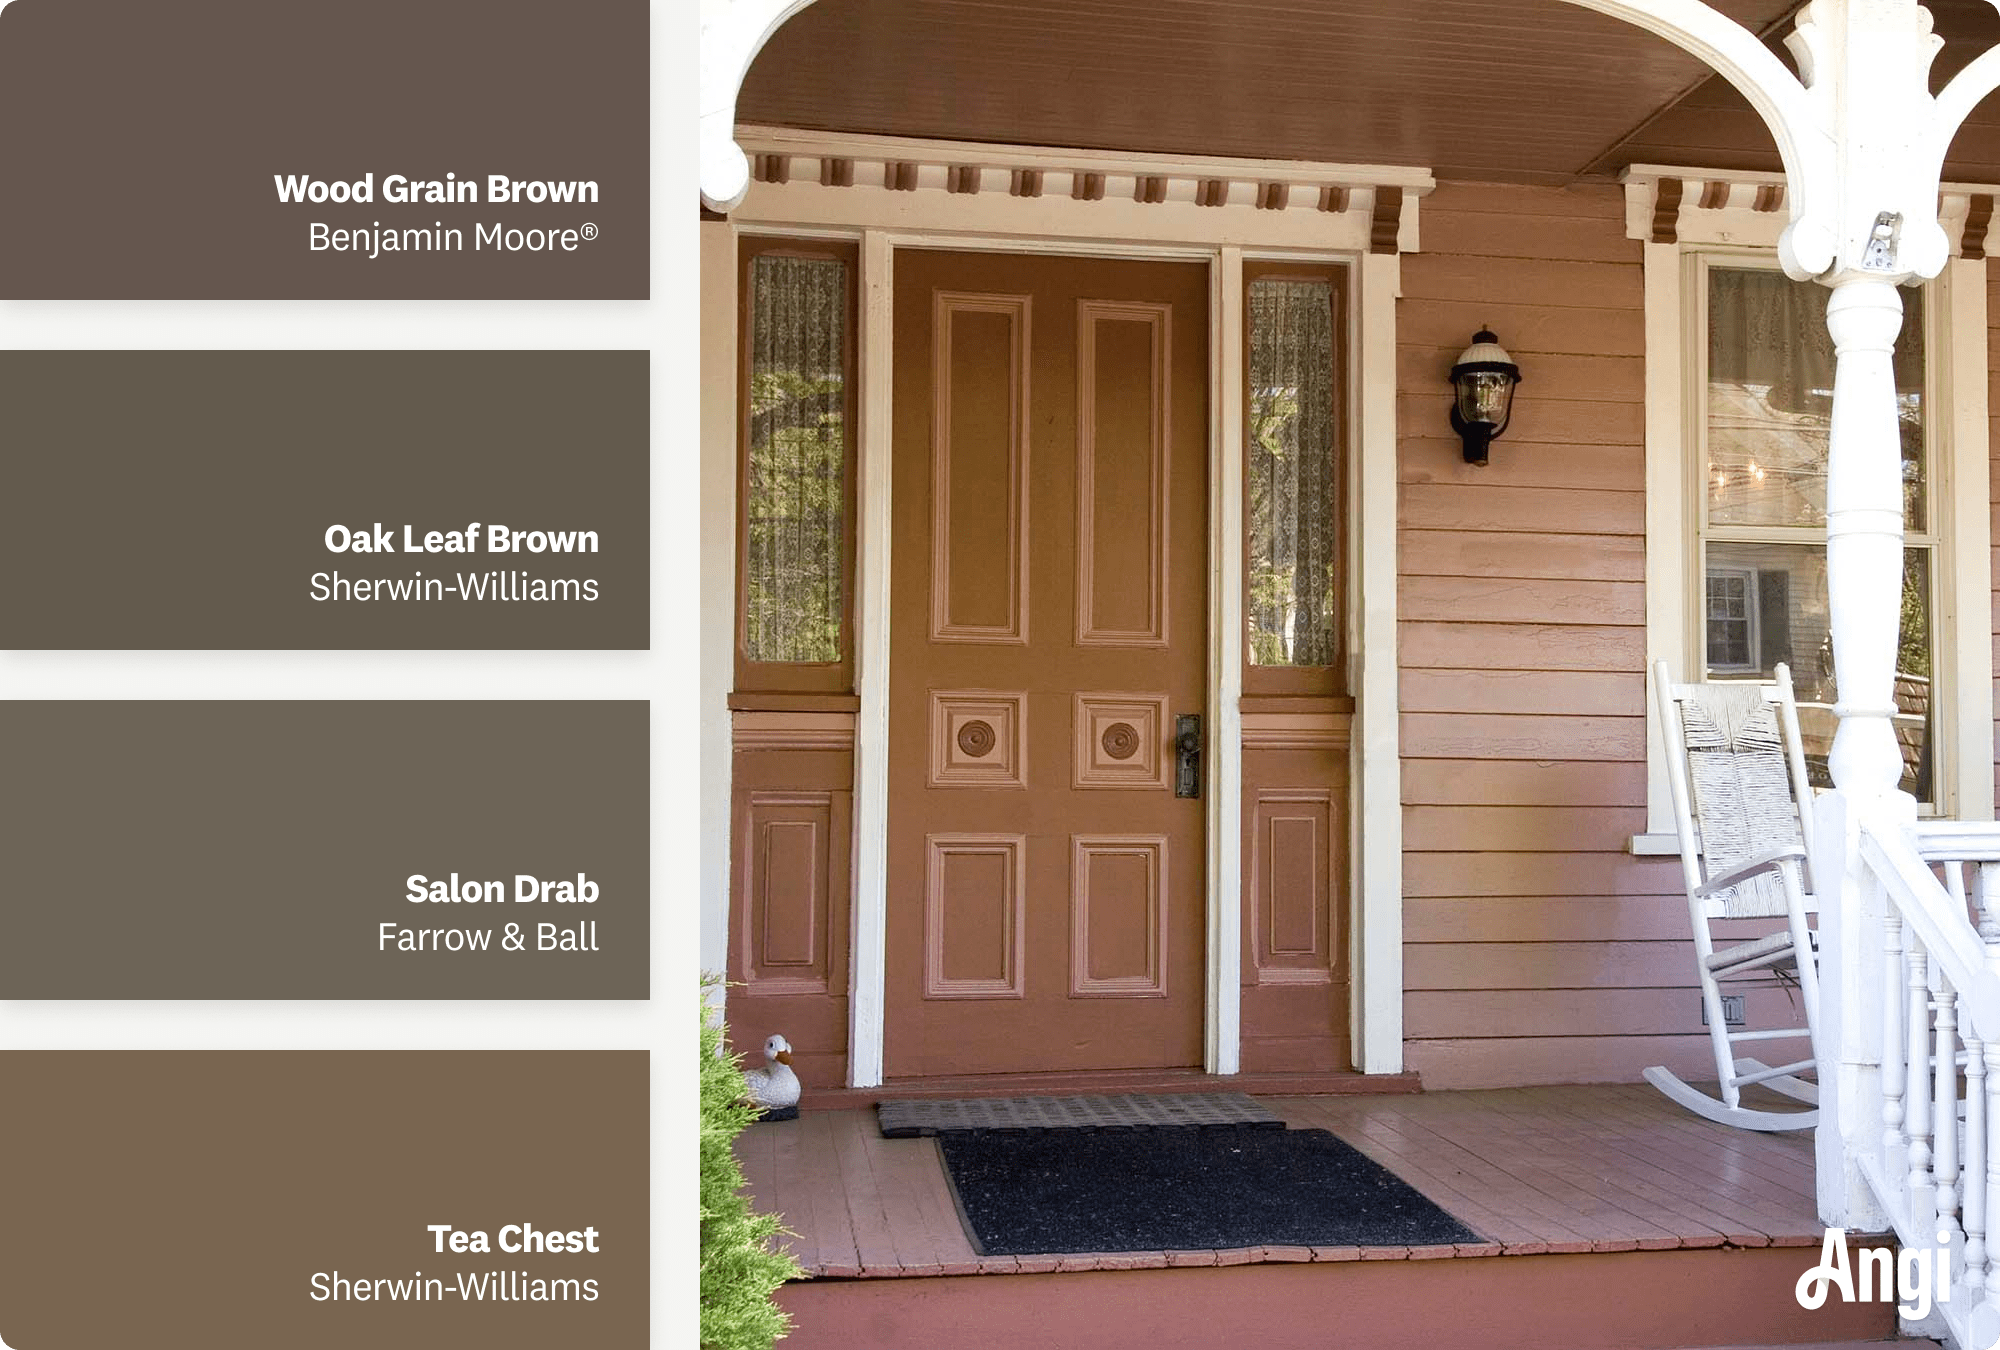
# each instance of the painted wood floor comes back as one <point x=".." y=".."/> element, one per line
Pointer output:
<point x="1534" y="1170"/>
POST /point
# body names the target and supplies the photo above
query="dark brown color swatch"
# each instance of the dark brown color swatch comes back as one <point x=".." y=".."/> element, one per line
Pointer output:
<point x="144" y="140"/>
<point x="256" y="850"/>
<point x="185" y="499"/>
<point x="191" y="1198"/>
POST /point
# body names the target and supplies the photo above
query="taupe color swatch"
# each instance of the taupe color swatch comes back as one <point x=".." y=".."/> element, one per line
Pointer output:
<point x="143" y="140"/>
<point x="253" y="850"/>
<point x="189" y="1198"/>
<point x="183" y="499"/>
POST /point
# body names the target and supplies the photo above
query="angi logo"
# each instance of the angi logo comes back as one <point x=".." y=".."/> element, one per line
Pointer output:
<point x="1912" y="1277"/>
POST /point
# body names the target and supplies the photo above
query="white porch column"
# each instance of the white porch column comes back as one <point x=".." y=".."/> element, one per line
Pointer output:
<point x="1864" y="532"/>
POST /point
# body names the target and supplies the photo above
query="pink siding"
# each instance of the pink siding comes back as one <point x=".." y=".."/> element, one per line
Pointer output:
<point x="1537" y="949"/>
<point x="1993" y="450"/>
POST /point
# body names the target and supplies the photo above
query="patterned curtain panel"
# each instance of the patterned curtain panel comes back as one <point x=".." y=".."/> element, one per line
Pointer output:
<point x="1293" y="481"/>
<point x="795" y="531"/>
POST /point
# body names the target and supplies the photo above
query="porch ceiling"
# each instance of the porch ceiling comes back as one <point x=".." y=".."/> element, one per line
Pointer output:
<point x="1495" y="90"/>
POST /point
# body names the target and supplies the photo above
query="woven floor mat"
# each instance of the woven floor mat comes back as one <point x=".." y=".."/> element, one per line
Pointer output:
<point x="908" y="1119"/>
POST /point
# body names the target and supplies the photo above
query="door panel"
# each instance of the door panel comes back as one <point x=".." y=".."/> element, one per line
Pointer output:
<point x="1049" y="621"/>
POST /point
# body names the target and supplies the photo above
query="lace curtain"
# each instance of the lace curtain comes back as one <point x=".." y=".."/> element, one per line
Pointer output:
<point x="795" y="530"/>
<point x="1292" y="476"/>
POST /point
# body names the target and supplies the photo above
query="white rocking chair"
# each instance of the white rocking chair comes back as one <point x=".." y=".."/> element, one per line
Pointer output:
<point x="1743" y="811"/>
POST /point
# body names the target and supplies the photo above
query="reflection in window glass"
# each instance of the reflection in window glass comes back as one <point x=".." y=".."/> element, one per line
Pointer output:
<point x="1770" y="405"/>
<point x="1292" y="484"/>
<point x="795" y="489"/>
<point x="1770" y="401"/>
<point x="1767" y="604"/>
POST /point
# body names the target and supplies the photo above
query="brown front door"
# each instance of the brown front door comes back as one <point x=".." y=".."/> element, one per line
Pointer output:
<point x="1048" y="625"/>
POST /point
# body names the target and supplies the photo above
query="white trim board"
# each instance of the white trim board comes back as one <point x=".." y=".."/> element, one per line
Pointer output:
<point x="814" y="179"/>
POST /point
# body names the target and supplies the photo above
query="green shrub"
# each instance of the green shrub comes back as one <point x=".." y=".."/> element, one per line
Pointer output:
<point x="740" y="1266"/>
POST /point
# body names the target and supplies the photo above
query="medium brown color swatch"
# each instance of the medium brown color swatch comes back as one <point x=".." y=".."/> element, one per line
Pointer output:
<point x="258" y="849"/>
<point x="144" y="141"/>
<point x="191" y="1198"/>
<point x="185" y="500"/>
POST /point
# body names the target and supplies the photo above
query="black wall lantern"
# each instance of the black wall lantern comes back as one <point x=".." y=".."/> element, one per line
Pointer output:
<point x="1483" y="383"/>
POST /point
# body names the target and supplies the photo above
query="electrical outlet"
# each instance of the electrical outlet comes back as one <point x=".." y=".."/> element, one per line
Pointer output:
<point x="1732" y="1010"/>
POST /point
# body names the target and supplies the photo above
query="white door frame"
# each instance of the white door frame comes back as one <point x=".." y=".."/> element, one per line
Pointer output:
<point x="1173" y="226"/>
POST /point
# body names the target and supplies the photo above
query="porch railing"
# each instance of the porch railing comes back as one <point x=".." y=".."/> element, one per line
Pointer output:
<point x="1910" y="1054"/>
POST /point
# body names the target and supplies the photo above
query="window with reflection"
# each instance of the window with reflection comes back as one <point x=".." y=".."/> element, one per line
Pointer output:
<point x="1769" y="406"/>
<point x="1292" y="473"/>
<point x="795" y="466"/>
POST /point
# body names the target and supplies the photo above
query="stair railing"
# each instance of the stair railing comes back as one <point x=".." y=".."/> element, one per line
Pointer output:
<point x="1909" y="1136"/>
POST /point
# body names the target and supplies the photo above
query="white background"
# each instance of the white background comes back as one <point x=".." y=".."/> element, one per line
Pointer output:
<point x="666" y="676"/>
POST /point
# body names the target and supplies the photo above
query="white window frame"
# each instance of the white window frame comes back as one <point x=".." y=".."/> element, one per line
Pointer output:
<point x="1959" y="493"/>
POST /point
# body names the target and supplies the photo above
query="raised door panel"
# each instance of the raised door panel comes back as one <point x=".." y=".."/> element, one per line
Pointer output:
<point x="979" y="469"/>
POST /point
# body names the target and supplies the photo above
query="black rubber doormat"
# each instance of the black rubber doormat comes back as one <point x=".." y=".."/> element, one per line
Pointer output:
<point x="1180" y="1189"/>
<point x="1096" y="1111"/>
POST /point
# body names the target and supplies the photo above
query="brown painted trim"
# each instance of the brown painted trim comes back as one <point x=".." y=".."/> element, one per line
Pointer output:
<point x="792" y="731"/>
<point x="1273" y="196"/>
<point x="1978" y="219"/>
<point x="1333" y="198"/>
<point x="1769" y="198"/>
<point x="1714" y="195"/>
<point x="1087" y="187"/>
<point x="794" y="702"/>
<point x="836" y="171"/>
<point x="1150" y="188"/>
<point x="1212" y="192"/>
<point x="1297" y="731"/>
<point x="1295" y="703"/>
<point x="1289" y="1296"/>
<point x="834" y="677"/>
<point x="771" y="168"/>
<point x="1302" y="681"/>
<point x="1387" y="221"/>
<point x="899" y="175"/>
<point x="962" y="179"/>
<point x="1025" y="183"/>
<point x="1288" y="1084"/>
<point x="1666" y="210"/>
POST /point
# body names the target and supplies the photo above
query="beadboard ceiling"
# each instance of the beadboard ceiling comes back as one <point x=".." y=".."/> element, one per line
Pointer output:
<point x="1500" y="90"/>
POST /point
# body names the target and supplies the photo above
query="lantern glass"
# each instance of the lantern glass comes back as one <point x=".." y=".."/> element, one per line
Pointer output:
<point x="1484" y="396"/>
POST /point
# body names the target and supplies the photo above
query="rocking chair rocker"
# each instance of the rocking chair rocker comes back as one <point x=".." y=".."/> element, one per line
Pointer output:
<point x="1743" y="811"/>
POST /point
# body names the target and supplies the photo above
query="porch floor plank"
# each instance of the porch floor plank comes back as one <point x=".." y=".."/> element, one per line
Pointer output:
<point x="1646" y="1167"/>
<point x="1633" y="1179"/>
<point x="1533" y="1171"/>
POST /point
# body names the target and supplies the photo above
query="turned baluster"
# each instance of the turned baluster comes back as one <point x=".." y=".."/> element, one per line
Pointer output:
<point x="1992" y="1122"/>
<point x="1978" y="1163"/>
<point x="1944" y="1107"/>
<point x="1917" y="1092"/>
<point x="1892" y="1045"/>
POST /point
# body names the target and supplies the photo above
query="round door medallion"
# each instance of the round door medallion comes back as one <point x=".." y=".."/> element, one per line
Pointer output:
<point x="1120" y="740"/>
<point x="975" y="738"/>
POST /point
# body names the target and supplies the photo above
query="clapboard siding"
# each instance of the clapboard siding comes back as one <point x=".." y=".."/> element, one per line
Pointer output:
<point x="1993" y="450"/>
<point x="1590" y="692"/>
<point x="1536" y="949"/>
<point x="1454" y="553"/>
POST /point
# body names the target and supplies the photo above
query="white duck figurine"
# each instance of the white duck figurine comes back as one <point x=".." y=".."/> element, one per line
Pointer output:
<point x="775" y="1088"/>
